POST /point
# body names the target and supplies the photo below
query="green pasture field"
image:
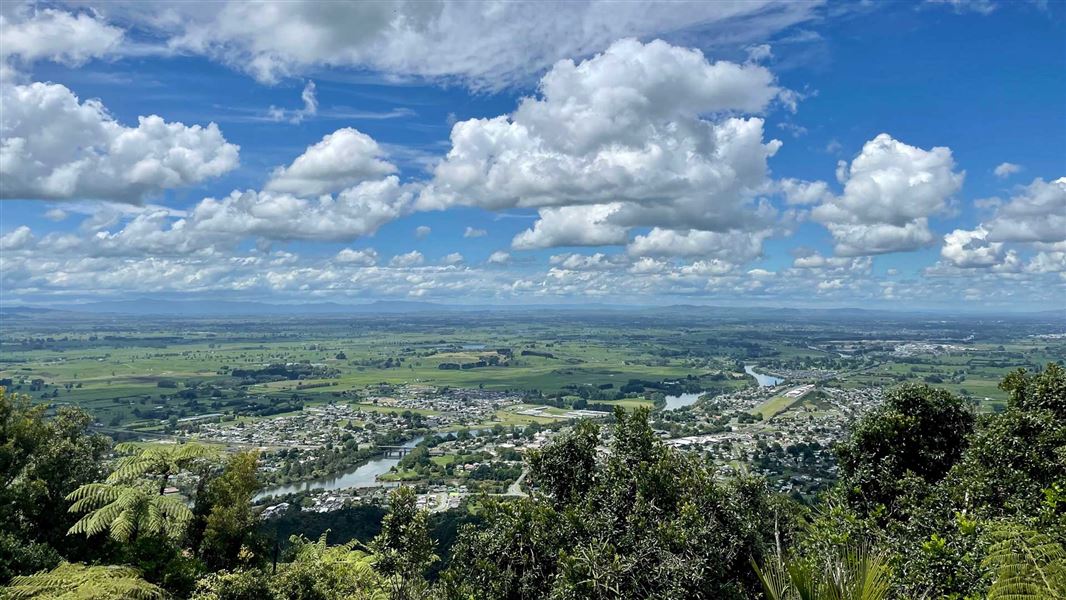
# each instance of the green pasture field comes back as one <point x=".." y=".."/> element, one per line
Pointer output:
<point x="773" y="407"/>
<point x="510" y="416"/>
<point x="630" y="403"/>
<point x="120" y="363"/>
<point x="983" y="367"/>
<point x="443" y="460"/>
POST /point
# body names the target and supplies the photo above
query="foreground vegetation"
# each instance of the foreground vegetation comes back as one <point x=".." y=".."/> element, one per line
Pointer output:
<point x="933" y="501"/>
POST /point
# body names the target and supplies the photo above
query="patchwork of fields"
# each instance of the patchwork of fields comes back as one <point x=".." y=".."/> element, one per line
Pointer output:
<point x="140" y="374"/>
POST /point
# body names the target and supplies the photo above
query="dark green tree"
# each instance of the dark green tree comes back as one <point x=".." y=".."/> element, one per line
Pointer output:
<point x="919" y="431"/>
<point x="1016" y="458"/>
<point x="230" y="523"/>
<point x="512" y="554"/>
<point x="565" y="469"/>
<point x="646" y="521"/>
<point x="41" y="461"/>
<point x="404" y="550"/>
<point x="317" y="571"/>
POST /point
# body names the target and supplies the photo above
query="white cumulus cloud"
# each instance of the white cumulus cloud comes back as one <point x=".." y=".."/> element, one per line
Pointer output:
<point x="499" y="257"/>
<point x="572" y="226"/>
<point x="30" y="34"/>
<point x="365" y="257"/>
<point x="220" y="224"/>
<point x="890" y="191"/>
<point x="1005" y="170"/>
<point x="964" y="248"/>
<point x="453" y="258"/>
<point x="410" y="259"/>
<point x="736" y="246"/>
<point x="57" y="147"/>
<point x="623" y="126"/>
<point x="633" y="137"/>
<point x="18" y="239"/>
<point x="1036" y="213"/>
<point x="341" y="159"/>
<point x="1033" y="219"/>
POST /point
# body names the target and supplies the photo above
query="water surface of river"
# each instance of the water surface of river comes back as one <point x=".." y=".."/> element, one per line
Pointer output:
<point x="675" y="402"/>
<point x="365" y="475"/>
<point x="764" y="380"/>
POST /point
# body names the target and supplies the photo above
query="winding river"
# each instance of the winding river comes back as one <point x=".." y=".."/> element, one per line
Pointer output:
<point x="675" y="402"/>
<point x="365" y="475"/>
<point x="682" y="400"/>
<point x="763" y="380"/>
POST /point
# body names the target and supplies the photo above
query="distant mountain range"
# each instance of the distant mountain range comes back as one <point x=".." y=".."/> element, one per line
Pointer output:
<point x="219" y="308"/>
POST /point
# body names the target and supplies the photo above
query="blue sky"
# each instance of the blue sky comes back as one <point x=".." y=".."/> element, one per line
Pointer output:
<point x="802" y="154"/>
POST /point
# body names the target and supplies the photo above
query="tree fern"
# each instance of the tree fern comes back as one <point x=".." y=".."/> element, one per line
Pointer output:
<point x="131" y="500"/>
<point x="159" y="462"/>
<point x="127" y="511"/>
<point x="72" y="581"/>
<point x="335" y="572"/>
<point x="1026" y="565"/>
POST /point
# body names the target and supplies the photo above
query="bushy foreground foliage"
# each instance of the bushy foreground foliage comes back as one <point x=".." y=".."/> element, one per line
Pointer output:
<point x="636" y="524"/>
<point x="317" y="571"/>
<point x="41" y="461"/>
<point x="71" y="581"/>
<point x="942" y="512"/>
<point x="933" y="501"/>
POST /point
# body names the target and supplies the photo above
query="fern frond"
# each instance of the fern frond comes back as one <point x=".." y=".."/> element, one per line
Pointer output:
<point x="72" y="580"/>
<point x="155" y="460"/>
<point x="123" y="526"/>
<point x="128" y="448"/>
<point x="96" y="492"/>
<point x="1027" y="565"/>
<point x="129" y="469"/>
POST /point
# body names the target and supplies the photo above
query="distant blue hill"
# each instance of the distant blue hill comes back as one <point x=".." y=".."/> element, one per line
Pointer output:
<point x="220" y="308"/>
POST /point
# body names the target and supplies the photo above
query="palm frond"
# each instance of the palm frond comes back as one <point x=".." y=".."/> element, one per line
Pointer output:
<point x="774" y="578"/>
<point x="809" y="584"/>
<point x="854" y="573"/>
<point x="868" y="574"/>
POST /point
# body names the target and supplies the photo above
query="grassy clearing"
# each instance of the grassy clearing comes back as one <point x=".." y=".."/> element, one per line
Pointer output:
<point x="443" y="461"/>
<point x="630" y="403"/>
<point x="393" y="409"/>
<point x="510" y="416"/>
<point x="774" y="406"/>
